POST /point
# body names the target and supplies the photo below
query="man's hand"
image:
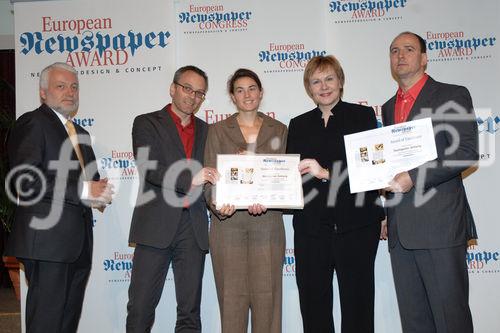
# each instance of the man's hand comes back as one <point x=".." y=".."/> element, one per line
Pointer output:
<point x="312" y="167"/>
<point x="100" y="193"/>
<point x="401" y="183"/>
<point x="256" y="209"/>
<point x="383" y="229"/>
<point x="205" y="175"/>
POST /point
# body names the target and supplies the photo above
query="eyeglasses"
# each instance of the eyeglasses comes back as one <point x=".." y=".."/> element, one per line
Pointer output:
<point x="188" y="90"/>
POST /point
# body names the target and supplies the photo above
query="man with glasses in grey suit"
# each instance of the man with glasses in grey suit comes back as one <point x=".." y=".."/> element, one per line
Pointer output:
<point x="169" y="222"/>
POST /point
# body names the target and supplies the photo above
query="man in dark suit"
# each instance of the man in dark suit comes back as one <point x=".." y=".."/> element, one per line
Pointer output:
<point x="53" y="170"/>
<point x="429" y="218"/>
<point x="169" y="223"/>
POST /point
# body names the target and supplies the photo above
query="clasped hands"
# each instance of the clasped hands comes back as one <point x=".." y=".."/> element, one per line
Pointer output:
<point x="255" y="210"/>
<point x="100" y="193"/>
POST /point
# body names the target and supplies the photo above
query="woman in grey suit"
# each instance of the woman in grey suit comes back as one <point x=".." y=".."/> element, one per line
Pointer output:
<point x="247" y="246"/>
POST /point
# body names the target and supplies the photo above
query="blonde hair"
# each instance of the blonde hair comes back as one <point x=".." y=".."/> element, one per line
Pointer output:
<point x="321" y="63"/>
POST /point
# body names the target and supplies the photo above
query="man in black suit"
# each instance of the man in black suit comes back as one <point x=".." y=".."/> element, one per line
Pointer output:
<point x="429" y="219"/>
<point x="169" y="223"/>
<point x="53" y="170"/>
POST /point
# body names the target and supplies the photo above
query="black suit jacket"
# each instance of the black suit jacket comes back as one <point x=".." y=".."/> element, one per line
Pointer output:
<point x="154" y="223"/>
<point x="36" y="140"/>
<point x="308" y="137"/>
<point x="445" y="219"/>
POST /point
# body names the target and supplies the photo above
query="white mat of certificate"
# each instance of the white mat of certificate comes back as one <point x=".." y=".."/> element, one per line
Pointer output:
<point x="375" y="156"/>
<point x="270" y="180"/>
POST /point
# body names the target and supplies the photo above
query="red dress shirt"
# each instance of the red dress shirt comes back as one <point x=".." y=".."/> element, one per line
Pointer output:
<point x="186" y="133"/>
<point x="405" y="100"/>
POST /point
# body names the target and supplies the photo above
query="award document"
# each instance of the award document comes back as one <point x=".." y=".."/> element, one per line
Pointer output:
<point x="271" y="180"/>
<point x="375" y="156"/>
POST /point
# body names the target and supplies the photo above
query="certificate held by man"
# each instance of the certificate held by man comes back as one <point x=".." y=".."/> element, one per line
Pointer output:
<point x="270" y="180"/>
<point x="375" y="156"/>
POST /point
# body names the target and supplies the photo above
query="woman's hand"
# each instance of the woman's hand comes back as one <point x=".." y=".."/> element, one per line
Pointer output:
<point x="256" y="209"/>
<point x="312" y="167"/>
<point x="226" y="210"/>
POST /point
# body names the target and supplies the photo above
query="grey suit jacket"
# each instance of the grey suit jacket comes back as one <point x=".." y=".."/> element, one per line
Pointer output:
<point x="163" y="189"/>
<point x="435" y="213"/>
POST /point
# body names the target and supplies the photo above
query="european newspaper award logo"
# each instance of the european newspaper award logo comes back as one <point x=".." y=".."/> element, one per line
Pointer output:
<point x="349" y="11"/>
<point x="458" y="46"/>
<point x="92" y="45"/>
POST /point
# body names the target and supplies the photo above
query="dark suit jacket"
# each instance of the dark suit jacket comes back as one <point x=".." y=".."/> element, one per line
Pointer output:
<point x="35" y="140"/>
<point x="308" y="137"/>
<point x="155" y="222"/>
<point x="445" y="220"/>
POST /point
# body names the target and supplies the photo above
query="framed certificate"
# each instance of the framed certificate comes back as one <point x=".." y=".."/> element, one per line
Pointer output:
<point x="375" y="156"/>
<point x="270" y="180"/>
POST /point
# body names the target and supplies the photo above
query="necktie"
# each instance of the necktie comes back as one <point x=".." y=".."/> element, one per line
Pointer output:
<point x="74" y="140"/>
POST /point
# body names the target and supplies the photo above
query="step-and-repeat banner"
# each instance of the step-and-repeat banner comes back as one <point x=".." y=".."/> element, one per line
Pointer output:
<point x="126" y="52"/>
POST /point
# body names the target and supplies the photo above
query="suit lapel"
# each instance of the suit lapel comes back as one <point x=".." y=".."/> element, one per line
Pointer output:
<point x="389" y="115"/>
<point x="341" y="116"/>
<point x="266" y="132"/>
<point x="59" y="129"/>
<point x="87" y="153"/>
<point x="234" y="133"/>
<point x="170" y="131"/>
<point x="197" y="143"/>
<point x="423" y="99"/>
<point x="84" y="143"/>
<point x="62" y="135"/>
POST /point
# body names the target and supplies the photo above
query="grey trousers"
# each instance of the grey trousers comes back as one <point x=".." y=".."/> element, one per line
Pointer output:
<point x="432" y="287"/>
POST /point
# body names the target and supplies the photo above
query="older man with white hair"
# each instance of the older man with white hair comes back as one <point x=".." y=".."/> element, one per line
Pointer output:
<point x="52" y="229"/>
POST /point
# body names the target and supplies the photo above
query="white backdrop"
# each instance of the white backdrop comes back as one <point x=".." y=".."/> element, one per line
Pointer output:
<point x="274" y="38"/>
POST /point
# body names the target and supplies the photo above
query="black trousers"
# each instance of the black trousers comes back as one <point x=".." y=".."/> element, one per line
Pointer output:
<point x="352" y="256"/>
<point x="149" y="270"/>
<point x="55" y="293"/>
<point x="432" y="287"/>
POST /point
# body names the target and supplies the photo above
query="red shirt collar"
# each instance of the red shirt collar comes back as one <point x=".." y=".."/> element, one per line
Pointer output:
<point x="177" y="120"/>
<point x="414" y="91"/>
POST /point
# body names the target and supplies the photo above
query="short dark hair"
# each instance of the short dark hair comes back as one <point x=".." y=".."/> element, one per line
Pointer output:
<point x="184" y="69"/>
<point x="242" y="72"/>
<point x="421" y="41"/>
